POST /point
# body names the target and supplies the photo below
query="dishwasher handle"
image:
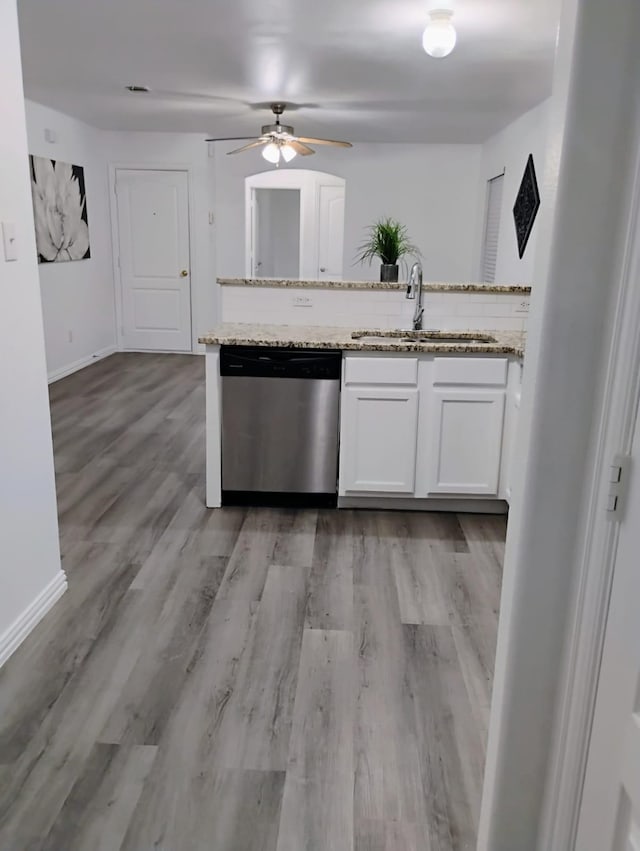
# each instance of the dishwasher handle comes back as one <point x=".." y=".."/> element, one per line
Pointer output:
<point x="268" y="362"/>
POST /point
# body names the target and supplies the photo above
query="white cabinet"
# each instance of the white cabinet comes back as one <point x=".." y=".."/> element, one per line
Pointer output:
<point x="427" y="426"/>
<point x="379" y="439"/>
<point x="379" y="425"/>
<point x="466" y="440"/>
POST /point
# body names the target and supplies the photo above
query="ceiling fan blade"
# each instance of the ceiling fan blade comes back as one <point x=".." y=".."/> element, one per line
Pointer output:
<point x="324" y="142"/>
<point x="258" y="143"/>
<point x="229" y="138"/>
<point x="299" y="148"/>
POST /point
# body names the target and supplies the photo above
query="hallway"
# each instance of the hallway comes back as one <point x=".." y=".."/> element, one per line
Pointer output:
<point x="240" y="679"/>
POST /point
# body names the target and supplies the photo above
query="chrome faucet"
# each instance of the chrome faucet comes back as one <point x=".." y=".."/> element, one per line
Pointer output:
<point x="415" y="287"/>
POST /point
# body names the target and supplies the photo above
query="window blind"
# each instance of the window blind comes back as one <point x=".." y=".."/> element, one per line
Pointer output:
<point x="492" y="228"/>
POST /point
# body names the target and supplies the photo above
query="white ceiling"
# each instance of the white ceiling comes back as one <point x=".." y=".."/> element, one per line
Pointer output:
<point x="356" y="67"/>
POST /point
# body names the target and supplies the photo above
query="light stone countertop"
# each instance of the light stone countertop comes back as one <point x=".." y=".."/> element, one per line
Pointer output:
<point x="317" y="337"/>
<point x="289" y="283"/>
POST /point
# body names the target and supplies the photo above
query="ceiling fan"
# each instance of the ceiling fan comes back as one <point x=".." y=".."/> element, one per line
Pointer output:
<point x="279" y="140"/>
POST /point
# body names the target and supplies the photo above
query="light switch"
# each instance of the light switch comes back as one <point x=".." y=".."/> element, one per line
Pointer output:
<point x="615" y="473"/>
<point x="9" y="240"/>
<point x="618" y="475"/>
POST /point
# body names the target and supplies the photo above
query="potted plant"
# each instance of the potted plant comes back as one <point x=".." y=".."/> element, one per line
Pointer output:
<point x="388" y="240"/>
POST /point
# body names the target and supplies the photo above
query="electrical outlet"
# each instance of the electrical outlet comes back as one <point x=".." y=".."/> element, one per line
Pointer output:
<point x="523" y="306"/>
<point x="302" y="301"/>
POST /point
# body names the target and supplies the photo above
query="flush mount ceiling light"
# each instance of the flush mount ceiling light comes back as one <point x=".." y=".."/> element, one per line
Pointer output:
<point x="439" y="38"/>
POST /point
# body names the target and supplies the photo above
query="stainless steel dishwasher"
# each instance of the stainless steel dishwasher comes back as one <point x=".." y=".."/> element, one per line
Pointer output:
<point x="280" y="411"/>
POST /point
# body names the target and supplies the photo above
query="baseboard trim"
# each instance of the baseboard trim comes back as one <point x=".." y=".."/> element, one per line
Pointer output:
<point x="458" y="505"/>
<point x="160" y="352"/>
<point x="57" y="374"/>
<point x="31" y="616"/>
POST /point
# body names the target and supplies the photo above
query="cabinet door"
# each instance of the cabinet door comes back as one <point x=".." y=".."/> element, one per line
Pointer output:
<point x="379" y="435"/>
<point x="466" y="429"/>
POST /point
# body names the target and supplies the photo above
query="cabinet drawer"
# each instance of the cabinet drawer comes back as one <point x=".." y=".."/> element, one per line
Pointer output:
<point x="381" y="371"/>
<point x="471" y="371"/>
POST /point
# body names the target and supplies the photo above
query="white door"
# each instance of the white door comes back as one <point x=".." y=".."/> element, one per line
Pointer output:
<point x="330" y="232"/>
<point x="153" y="232"/>
<point x="379" y="440"/>
<point x="466" y="428"/>
<point x="610" y="812"/>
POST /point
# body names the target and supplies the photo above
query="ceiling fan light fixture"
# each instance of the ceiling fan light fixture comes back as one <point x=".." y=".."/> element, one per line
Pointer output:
<point x="271" y="153"/>
<point x="439" y="37"/>
<point x="279" y="141"/>
<point x="288" y="153"/>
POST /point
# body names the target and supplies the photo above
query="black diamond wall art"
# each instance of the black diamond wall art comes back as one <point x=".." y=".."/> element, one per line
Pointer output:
<point x="526" y="207"/>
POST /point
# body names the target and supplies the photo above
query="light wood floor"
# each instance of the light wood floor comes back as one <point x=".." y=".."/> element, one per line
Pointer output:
<point x="240" y="680"/>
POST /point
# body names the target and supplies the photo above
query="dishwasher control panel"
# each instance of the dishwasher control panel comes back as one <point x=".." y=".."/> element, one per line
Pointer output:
<point x="266" y="362"/>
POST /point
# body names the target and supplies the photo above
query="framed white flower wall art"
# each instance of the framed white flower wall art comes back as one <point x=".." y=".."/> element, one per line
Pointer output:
<point x="60" y="210"/>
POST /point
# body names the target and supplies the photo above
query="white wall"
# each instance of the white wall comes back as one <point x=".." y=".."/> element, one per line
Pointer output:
<point x="508" y="151"/>
<point x="77" y="296"/>
<point x="434" y="189"/>
<point x="278" y="232"/>
<point x="29" y="552"/>
<point x="593" y="141"/>
<point x="281" y="241"/>
<point x="189" y="150"/>
<point x="362" y="308"/>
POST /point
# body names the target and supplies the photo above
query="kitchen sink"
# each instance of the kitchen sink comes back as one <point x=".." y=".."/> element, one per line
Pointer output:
<point x="404" y="336"/>
<point x="446" y="338"/>
<point x="376" y="338"/>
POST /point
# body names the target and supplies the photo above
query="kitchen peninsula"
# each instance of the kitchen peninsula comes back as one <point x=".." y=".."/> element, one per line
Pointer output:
<point x="426" y="418"/>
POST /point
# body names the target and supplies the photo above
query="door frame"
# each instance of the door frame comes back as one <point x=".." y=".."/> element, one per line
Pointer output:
<point x="114" y="167"/>
<point x="308" y="181"/>
<point x="598" y="542"/>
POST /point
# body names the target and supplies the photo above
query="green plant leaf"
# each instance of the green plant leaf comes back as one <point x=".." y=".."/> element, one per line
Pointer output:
<point x="387" y="239"/>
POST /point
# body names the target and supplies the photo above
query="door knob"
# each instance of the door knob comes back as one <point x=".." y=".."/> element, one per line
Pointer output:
<point x="323" y="268"/>
<point x="184" y="273"/>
